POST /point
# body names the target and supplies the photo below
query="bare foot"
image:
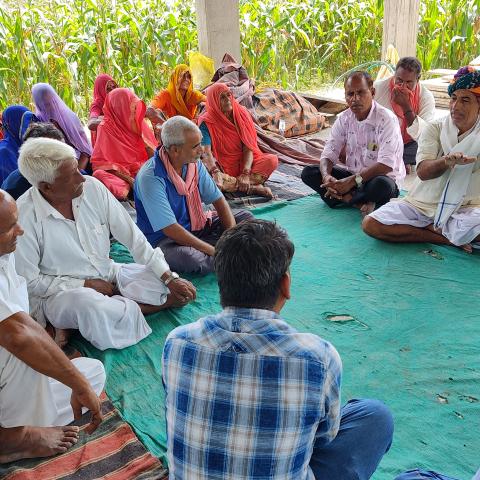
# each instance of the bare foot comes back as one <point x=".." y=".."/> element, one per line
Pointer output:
<point x="62" y="337"/>
<point x="32" y="442"/>
<point x="260" y="190"/>
<point x="467" y="248"/>
<point x="367" y="208"/>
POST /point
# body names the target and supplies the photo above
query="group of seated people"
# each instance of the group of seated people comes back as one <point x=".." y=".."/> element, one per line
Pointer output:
<point x="125" y="133"/>
<point x="362" y="165"/>
<point x="243" y="373"/>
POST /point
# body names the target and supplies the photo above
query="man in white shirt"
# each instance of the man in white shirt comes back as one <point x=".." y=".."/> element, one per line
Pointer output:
<point x="369" y="134"/>
<point x="412" y="103"/>
<point x="443" y="205"/>
<point x="64" y="254"/>
<point x="31" y="402"/>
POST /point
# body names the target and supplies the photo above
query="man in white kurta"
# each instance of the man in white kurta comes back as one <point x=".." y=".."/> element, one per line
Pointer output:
<point x="30" y="399"/>
<point x="64" y="254"/>
<point x="443" y="205"/>
<point x="412" y="103"/>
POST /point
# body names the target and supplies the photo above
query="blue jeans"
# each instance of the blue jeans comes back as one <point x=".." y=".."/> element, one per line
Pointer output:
<point x="422" y="475"/>
<point x="364" y="436"/>
<point x="184" y="259"/>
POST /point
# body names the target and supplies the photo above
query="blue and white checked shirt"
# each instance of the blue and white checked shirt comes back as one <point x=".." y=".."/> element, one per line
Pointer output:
<point x="247" y="396"/>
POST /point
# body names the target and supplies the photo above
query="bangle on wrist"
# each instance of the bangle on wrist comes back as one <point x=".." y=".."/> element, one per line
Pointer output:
<point x="246" y="171"/>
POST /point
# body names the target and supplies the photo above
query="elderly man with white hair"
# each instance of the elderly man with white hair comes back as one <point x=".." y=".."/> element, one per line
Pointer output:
<point x="169" y="191"/>
<point x="64" y="254"/>
<point x="40" y="389"/>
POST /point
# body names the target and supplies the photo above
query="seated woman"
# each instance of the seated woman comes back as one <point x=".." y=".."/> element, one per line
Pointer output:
<point x="51" y="108"/>
<point x="104" y="84"/>
<point x="124" y="142"/>
<point x="15" y="121"/>
<point x="179" y="98"/>
<point x="237" y="164"/>
<point x="16" y="184"/>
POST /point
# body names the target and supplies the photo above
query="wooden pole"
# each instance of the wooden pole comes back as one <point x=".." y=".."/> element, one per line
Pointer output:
<point x="400" y="26"/>
<point x="218" y="25"/>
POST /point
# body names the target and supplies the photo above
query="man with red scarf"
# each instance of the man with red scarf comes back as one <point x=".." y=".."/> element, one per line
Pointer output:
<point x="411" y="102"/>
<point x="170" y="189"/>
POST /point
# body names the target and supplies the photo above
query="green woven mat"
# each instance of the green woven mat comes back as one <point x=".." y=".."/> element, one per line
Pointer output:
<point x="412" y="340"/>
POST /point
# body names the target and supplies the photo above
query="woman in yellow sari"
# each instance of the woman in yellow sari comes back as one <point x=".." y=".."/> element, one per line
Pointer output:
<point x="179" y="98"/>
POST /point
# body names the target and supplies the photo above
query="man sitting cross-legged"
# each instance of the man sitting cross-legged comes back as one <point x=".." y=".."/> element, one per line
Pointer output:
<point x="64" y="254"/>
<point x="169" y="191"/>
<point x="33" y="407"/>
<point x="443" y="205"/>
<point x="369" y="134"/>
<point x="250" y="397"/>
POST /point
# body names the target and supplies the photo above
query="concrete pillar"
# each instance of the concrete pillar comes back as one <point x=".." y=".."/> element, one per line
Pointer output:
<point x="400" y="26"/>
<point x="218" y="28"/>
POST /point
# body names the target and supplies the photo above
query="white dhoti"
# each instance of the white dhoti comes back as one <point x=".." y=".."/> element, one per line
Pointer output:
<point x="461" y="228"/>
<point x="108" y="322"/>
<point x="28" y="398"/>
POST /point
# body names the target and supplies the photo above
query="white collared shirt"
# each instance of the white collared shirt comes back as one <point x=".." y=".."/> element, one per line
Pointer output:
<point x="57" y="254"/>
<point x="377" y="139"/>
<point x="13" y="289"/>
<point x="426" y="194"/>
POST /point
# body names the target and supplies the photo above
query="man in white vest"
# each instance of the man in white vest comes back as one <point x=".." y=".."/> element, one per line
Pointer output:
<point x="443" y="206"/>
<point x="41" y="390"/>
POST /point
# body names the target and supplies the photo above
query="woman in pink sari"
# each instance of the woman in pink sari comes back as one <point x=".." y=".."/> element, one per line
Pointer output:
<point x="124" y="142"/>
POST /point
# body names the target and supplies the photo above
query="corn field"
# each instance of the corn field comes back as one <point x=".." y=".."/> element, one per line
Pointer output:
<point x="291" y="43"/>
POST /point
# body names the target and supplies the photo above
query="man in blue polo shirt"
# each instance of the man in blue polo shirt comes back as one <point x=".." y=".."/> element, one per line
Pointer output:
<point x="169" y="191"/>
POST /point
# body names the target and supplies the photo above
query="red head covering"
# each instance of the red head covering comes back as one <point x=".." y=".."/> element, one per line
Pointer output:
<point x="99" y="94"/>
<point x="227" y="137"/>
<point x="123" y="134"/>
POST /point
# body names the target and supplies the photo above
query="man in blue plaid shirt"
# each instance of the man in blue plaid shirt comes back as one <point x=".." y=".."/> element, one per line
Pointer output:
<point x="249" y="397"/>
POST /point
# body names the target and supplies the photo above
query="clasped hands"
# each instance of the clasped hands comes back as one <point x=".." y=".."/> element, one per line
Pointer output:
<point x="338" y="188"/>
<point x="181" y="289"/>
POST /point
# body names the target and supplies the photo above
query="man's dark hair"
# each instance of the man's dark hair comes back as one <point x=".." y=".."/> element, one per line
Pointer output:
<point x="48" y="130"/>
<point x="250" y="261"/>
<point x="359" y="74"/>
<point x="410" y="63"/>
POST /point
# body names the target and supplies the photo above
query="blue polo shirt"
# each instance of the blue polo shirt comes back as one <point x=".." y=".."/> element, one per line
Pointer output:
<point x="159" y="205"/>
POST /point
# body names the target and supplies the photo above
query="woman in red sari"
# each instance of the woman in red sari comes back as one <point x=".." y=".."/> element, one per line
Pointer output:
<point x="104" y="84"/>
<point x="229" y="133"/>
<point x="124" y="142"/>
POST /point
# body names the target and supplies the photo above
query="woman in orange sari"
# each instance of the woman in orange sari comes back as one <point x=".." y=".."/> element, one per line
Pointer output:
<point x="237" y="164"/>
<point x="124" y="142"/>
<point x="179" y="98"/>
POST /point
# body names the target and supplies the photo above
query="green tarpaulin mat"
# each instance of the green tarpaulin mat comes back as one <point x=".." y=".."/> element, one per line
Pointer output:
<point x="404" y="318"/>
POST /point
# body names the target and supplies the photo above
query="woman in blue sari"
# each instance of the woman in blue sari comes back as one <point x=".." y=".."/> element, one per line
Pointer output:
<point x="15" y="120"/>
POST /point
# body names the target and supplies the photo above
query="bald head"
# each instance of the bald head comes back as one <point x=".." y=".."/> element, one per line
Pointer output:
<point x="9" y="227"/>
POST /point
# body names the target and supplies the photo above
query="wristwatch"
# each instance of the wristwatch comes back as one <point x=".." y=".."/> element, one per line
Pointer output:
<point x="358" y="180"/>
<point x="173" y="276"/>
